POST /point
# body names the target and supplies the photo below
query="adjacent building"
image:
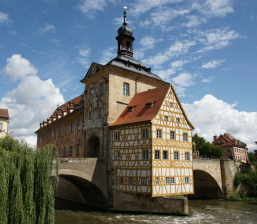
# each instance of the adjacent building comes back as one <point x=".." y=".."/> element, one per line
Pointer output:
<point x="133" y="120"/>
<point x="233" y="149"/>
<point x="4" y="122"/>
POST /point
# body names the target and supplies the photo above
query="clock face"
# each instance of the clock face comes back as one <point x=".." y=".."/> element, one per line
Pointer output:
<point x="94" y="70"/>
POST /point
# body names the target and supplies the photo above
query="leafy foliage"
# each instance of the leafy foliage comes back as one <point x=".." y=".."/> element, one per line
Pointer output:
<point x="234" y="196"/>
<point x="207" y="149"/>
<point x="249" y="179"/>
<point x="252" y="158"/>
<point x="26" y="192"/>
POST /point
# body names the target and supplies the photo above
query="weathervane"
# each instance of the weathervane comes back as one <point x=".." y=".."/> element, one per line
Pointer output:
<point x="124" y="23"/>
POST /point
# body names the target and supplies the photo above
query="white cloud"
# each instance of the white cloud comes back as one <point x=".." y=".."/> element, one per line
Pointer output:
<point x="212" y="116"/>
<point x="89" y="7"/>
<point x="179" y="63"/>
<point x="107" y="55"/>
<point x="18" y="67"/>
<point x="184" y="80"/>
<point x="84" y="53"/>
<point x="209" y="8"/>
<point x="207" y="80"/>
<point x="212" y="64"/>
<point x="149" y="42"/>
<point x="143" y="6"/>
<point x="4" y="18"/>
<point x="217" y="38"/>
<point x="176" y="49"/>
<point x="46" y="29"/>
<point x="31" y="102"/>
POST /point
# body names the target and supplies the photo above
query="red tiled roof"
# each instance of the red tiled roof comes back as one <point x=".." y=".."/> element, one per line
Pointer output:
<point x="65" y="105"/>
<point x="139" y="103"/>
<point x="4" y="113"/>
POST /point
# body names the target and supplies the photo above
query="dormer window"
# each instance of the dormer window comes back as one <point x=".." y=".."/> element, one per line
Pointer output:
<point x="130" y="109"/>
<point x="149" y="105"/>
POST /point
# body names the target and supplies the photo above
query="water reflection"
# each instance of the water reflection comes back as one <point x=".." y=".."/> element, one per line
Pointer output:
<point x="201" y="211"/>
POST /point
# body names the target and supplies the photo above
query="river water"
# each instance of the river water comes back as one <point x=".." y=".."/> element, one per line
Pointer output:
<point x="201" y="211"/>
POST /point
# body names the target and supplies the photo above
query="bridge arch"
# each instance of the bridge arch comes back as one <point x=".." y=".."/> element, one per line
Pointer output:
<point x="81" y="187"/>
<point x="206" y="186"/>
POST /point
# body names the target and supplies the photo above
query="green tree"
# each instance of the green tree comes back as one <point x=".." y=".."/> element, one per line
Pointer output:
<point x="26" y="192"/>
<point x="206" y="149"/>
<point x="252" y="158"/>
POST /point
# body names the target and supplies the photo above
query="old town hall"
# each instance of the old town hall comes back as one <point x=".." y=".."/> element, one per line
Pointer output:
<point x="130" y="118"/>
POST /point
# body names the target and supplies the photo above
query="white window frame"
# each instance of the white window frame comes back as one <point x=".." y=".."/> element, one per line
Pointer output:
<point x="143" y="181"/>
<point x="126" y="88"/>
<point x="176" y="155"/>
<point x="158" y="133"/>
<point x="144" y="133"/>
<point x="185" y="137"/>
<point x="116" y="136"/>
<point x="157" y="154"/>
<point x="145" y="155"/>
<point x="116" y="155"/>
<point x="165" y="154"/>
<point x="172" y="135"/>
<point x="187" y="180"/>
<point x="187" y="156"/>
<point x="172" y="180"/>
<point x="131" y="181"/>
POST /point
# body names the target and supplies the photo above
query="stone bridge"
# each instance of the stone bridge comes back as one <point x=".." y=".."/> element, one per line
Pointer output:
<point x="214" y="178"/>
<point x="85" y="180"/>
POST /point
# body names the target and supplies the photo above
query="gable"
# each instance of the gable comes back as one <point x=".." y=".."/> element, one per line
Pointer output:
<point x="94" y="68"/>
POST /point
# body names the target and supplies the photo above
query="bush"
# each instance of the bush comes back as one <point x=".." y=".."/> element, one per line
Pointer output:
<point x="234" y="196"/>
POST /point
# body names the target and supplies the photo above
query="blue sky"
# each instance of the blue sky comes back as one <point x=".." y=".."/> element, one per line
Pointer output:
<point x="206" y="48"/>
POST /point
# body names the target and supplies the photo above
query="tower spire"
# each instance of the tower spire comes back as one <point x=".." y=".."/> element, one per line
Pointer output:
<point x="125" y="16"/>
<point x="125" y="38"/>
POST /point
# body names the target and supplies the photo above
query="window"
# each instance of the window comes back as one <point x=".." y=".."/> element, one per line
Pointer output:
<point x="177" y="120"/>
<point x="143" y="181"/>
<point x="187" y="180"/>
<point x="116" y="155"/>
<point x="159" y="133"/>
<point x="130" y="109"/>
<point x="157" y="154"/>
<point x="71" y="149"/>
<point x="131" y="181"/>
<point x="100" y="115"/>
<point x="91" y="114"/>
<point x="121" y="180"/>
<point x="176" y="155"/>
<point x="144" y="133"/>
<point x="187" y="156"/>
<point x="79" y="124"/>
<point x="145" y="154"/>
<point x="166" y="118"/>
<point x="228" y="150"/>
<point x="77" y="150"/>
<point x="1" y="126"/>
<point x="172" y="135"/>
<point x="101" y="88"/>
<point x="116" y="136"/>
<point x="64" y="151"/>
<point x="60" y="131"/>
<point x="185" y="137"/>
<point x="167" y="180"/>
<point x="72" y="127"/>
<point x="66" y="128"/>
<point x="171" y="104"/>
<point x="157" y="180"/>
<point x="165" y="155"/>
<point x="59" y="152"/>
<point x="149" y="105"/>
<point x="172" y="180"/>
<point x="126" y="89"/>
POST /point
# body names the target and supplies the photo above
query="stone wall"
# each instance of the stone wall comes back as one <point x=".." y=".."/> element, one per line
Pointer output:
<point x="144" y="203"/>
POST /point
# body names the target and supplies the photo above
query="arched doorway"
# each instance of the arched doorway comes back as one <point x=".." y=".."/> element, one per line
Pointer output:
<point x="93" y="147"/>
<point x="205" y="186"/>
